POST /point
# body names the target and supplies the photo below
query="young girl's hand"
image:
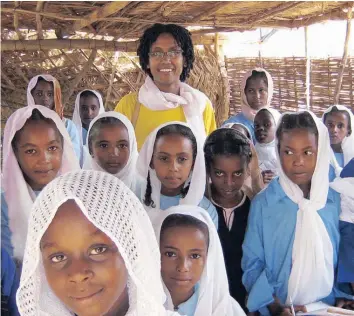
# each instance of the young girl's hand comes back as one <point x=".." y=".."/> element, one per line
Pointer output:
<point x="345" y="303"/>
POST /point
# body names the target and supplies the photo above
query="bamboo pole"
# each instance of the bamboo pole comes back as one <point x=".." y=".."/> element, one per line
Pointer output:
<point x="39" y="8"/>
<point x="111" y="80"/>
<point x="80" y="75"/>
<point x="19" y="35"/>
<point x="308" y="69"/>
<point x="345" y="57"/>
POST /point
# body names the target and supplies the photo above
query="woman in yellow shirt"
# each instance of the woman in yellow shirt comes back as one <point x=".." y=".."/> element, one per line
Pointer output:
<point x="166" y="55"/>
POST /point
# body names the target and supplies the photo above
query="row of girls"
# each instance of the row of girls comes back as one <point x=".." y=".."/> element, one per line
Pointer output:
<point x="245" y="220"/>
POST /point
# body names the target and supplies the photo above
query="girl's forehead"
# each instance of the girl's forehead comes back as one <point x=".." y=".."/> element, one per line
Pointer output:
<point x="43" y="84"/>
<point x="341" y="116"/>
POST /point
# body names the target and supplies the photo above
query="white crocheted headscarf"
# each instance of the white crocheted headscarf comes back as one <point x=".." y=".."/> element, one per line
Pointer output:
<point x="76" y="115"/>
<point x="312" y="255"/>
<point x="128" y="173"/>
<point x="214" y="298"/>
<point x="197" y="178"/>
<point x="18" y="194"/>
<point x="110" y="206"/>
<point x="347" y="143"/>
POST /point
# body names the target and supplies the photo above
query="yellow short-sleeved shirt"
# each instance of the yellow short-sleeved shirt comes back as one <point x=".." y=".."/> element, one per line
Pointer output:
<point x="148" y="120"/>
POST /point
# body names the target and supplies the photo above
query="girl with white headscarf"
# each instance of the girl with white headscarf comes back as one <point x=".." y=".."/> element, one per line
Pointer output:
<point x="172" y="170"/>
<point x="256" y="93"/>
<point x="265" y="123"/>
<point x="36" y="149"/>
<point x="339" y="121"/>
<point x="45" y="90"/>
<point x="291" y="246"/>
<point x="211" y="292"/>
<point x="118" y="266"/>
<point x="111" y="147"/>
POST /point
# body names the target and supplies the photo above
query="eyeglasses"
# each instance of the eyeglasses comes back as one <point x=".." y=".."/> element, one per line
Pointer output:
<point x="170" y="54"/>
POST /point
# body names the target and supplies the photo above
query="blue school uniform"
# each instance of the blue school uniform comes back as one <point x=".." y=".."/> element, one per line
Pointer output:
<point x="6" y="234"/>
<point x="169" y="201"/>
<point x="348" y="170"/>
<point x="268" y="245"/>
<point x="340" y="160"/>
<point x="9" y="284"/>
<point x="74" y="136"/>
<point x="188" y="307"/>
<point x="241" y="118"/>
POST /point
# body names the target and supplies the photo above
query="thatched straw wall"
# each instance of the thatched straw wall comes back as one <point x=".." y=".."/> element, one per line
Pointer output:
<point x="289" y="75"/>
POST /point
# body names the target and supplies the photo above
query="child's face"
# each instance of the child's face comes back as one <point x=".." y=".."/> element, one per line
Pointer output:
<point x="39" y="151"/>
<point x="82" y="264"/>
<point x="264" y="127"/>
<point x="89" y="109"/>
<point x="43" y="94"/>
<point x="167" y="70"/>
<point x="227" y="174"/>
<point x="338" y="127"/>
<point x="183" y="257"/>
<point x="256" y="93"/>
<point x="298" y="155"/>
<point x="173" y="161"/>
<point x="110" y="148"/>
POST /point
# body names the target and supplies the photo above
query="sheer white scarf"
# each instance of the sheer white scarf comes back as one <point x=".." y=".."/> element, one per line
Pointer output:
<point x="128" y="173"/>
<point x="197" y="177"/>
<point x="214" y="298"/>
<point x="114" y="209"/>
<point x="18" y="194"/>
<point x="312" y="272"/>
<point x="345" y="186"/>
<point x="192" y="101"/>
<point x="267" y="155"/>
<point x="76" y="115"/>
<point x="347" y="143"/>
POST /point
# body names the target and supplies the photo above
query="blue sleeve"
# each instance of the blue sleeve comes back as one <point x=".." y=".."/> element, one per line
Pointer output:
<point x="5" y="228"/>
<point x="210" y="208"/>
<point x="74" y="135"/>
<point x="260" y="291"/>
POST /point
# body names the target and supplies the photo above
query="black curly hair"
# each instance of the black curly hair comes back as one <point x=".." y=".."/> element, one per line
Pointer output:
<point x="229" y="142"/>
<point x="182" y="37"/>
<point x="173" y="129"/>
<point x="300" y="120"/>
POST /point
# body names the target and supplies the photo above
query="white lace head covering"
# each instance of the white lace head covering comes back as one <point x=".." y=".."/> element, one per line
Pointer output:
<point x="128" y="173"/>
<point x="267" y="152"/>
<point x="347" y="143"/>
<point x="18" y="194"/>
<point x="58" y="106"/>
<point x="312" y="256"/>
<point x="114" y="209"/>
<point x="197" y="178"/>
<point x="214" y="298"/>
<point x="76" y="115"/>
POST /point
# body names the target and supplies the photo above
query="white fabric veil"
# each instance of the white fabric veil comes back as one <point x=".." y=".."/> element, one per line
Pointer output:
<point x="347" y="143"/>
<point x="18" y="194"/>
<point x="345" y="186"/>
<point x="115" y="210"/>
<point x="128" y="173"/>
<point x="76" y="115"/>
<point x="312" y="256"/>
<point x="214" y="298"/>
<point x="197" y="178"/>
<point x="267" y="152"/>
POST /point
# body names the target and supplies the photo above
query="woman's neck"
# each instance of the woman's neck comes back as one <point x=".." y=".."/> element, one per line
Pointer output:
<point x="305" y="188"/>
<point x="169" y="88"/>
<point x="337" y="148"/>
<point x="121" y="307"/>
<point x="227" y="203"/>
<point x="180" y="297"/>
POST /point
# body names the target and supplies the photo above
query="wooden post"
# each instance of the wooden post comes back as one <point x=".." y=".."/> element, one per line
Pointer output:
<point x="260" y="48"/>
<point x="308" y="69"/>
<point x="345" y="57"/>
<point x="39" y="8"/>
<point x="111" y="80"/>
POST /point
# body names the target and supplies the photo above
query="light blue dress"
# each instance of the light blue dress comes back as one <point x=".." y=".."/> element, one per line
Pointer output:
<point x="188" y="307"/>
<point x="241" y="118"/>
<point x="169" y="201"/>
<point x="74" y="135"/>
<point x="340" y="160"/>
<point x="268" y="244"/>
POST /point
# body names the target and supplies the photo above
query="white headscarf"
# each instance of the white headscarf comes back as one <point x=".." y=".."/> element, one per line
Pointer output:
<point x="192" y="100"/>
<point x="197" y="178"/>
<point x="231" y="125"/>
<point x="76" y="115"/>
<point x="214" y="298"/>
<point x="267" y="152"/>
<point x="312" y="256"/>
<point x="114" y="209"/>
<point x="18" y="194"/>
<point x="58" y="106"/>
<point x="128" y="173"/>
<point x="248" y="112"/>
<point x="347" y="143"/>
<point x="345" y="186"/>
